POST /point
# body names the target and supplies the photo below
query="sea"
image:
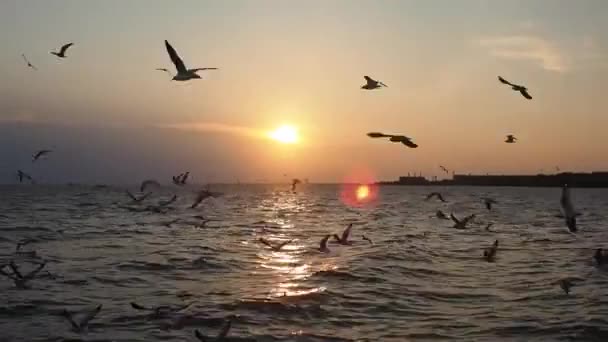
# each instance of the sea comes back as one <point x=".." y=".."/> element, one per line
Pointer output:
<point x="413" y="278"/>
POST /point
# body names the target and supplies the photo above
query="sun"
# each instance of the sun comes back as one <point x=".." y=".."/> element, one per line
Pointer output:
<point x="285" y="134"/>
<point x="362" y="192"/>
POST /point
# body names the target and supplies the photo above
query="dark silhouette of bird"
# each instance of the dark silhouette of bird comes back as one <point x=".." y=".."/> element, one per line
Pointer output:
<point x="343" y="240"/>
<point x="444" y="169"/>
<point x="275" y="247"/>
<point x="220" y="337"/>
<point x="489" y="202"/>
<point x="490" y="253"/>
<point x="39" y="154"/>
<point x="30" y="65"/>
<point x="523" y="90"/>
<point x="81" y="324"/>
<point x="435" y="194"/>
<point x="18" y="278"/>
<point x="323" y="245"/>
<point x="372" y="84"/>
<point x="462" y="224"/>
<point x="24" y="176"/>
<point x="61" y="53"/>
<point x="511" y="139"/>
<point x="203" y="195"/>
<point x="441" y="215"/>
<point x="367" y="239"/>
<point x="183" y="73"/>
<point x="294" y="183"/>
<point x="568" y="209"/>
<point x="394" y="138"/>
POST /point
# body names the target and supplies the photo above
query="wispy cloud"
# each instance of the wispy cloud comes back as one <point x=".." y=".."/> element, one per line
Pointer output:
<point x="215" y="127"/>
<point x="527" y="48"/>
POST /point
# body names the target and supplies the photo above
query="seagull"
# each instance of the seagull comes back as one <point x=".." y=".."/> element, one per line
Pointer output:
<point x="461" y="224"/>
<point x="377" y="135"/>
<point x="404" y="140"/>
<point x="148" y="183"/>
<point x="276" y="247"/>
<point x="600" y="257"/>
<point x="367" y="239"/>
<point x="488" y="202"/>
<point x="28" y="62"/>
<point x="138" y="199"/>
<point x="20" y="279"/>
<point x="441" y="215"/>
<point x="511" y="139"/>
<point x="344" y="239"/>
<point x="444" y="169"/>
<point x="567" y="283"/>
<point x="490" y="253"/>
<point x="568" y="209"/>
<point x="202" y="195"/>
<point x="372" y="84"/>
<point x="22" y="175"/>
<point x="295" y="182"/>
<point x="220" y="337"/>
<point x="183" y="74"/>
<point x="489" y="226"/>
<point x="81" y="325"/>
<point x="523" y="90"/>
<point x="323" y="246"/>
<point x="61" y="53"/>
<point x="170" y="201"/>
<point x="160" y="311"/>
<point x="435" y="194"/>
<point x="39" y="154"/>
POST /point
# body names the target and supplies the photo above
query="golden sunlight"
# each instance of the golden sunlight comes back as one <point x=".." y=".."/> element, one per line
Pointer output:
<point x="362" y="192"/>
<point x="285" y="134"/>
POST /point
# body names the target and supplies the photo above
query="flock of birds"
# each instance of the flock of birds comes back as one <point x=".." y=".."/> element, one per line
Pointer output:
<point x="79" y="321"/>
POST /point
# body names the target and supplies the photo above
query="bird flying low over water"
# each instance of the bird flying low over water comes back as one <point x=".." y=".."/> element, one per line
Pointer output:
<point x="523" y="90"/>
<point x="30" y="65"/>
<point x="295" y="182"/>
<point x="441" y="215"/>
<point x="568" y="209"/>
<point x="183" y="73"/>
<point x="511" y="139"/>
<point x="181" y="178"/>
<point x="458" y="224"/>
<point x="343" y="240"/>
<point x="435" y="194"/>
<point x="488" y="202"/>
<point x="490" y="253"/>
<point x="39" y="154"/>
<point x="275" y="247"/>
<point x="81" y="324"/>
<point x="24" y="176"/>
<point x="367" y="239"/>
<point x="372" y="84"/>
<point x="202" y="195"/>
<point x="220" y="337"/>
<point x="323" y="245"/>
<point x="148" y="183"/>
<point x="61" y="53"/>
<point x="394" y="138"/>
<point x="19" y="278"/>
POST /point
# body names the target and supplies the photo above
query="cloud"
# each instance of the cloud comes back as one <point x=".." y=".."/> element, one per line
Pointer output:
<point x="527" y="48"/>
<point x="215" y="127"/>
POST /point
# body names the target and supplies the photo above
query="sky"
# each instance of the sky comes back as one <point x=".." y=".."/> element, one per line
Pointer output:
<point x="110" y="117"/>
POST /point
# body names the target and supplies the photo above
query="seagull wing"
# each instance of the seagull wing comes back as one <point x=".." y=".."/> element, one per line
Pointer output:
<point x="184" y="177"/>
<point x="68" y="315"/>
<point x="524" y="93"/>
<point x="440" y="197"/>
<point x="199" y="336"/>
<point x="225" y="329"/>
<point x="15" y="270"/>
<point x="376" y="135"/>
<point x="179" y="64"/>
<point x="323" y="244"/>
<point x="89" y="316"/>
<point x="409" y="143"/>
<point x="283" y="244"/>
<point x="139" y="307"/>
<point x="382" y="84"/>
<point x="369" y="80"/>
<point x="456" y="221"/>
<point x="65" y="48"/>
<point x="266" y="242"/>
<point x="502" y="80"/>
<point x="201" y="69"/>
<point x="346" y="232"/>
<point x="131" y="195"/>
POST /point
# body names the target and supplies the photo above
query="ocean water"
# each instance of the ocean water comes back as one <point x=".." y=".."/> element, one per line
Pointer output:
<point x="420" y="280"/>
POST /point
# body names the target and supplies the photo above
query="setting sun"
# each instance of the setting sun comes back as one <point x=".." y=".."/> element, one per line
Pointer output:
<point x="362" y="192"/>
<point x="285" y="134"/>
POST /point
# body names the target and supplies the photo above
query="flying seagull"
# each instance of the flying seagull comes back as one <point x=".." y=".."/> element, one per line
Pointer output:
<point x="148" y="183"/>
<point x="372" y="84"/>
<point x="295" y="182"/>
<point x="343" y="240"/>
<point x="568" y="209"/>
<point x="28" y="62"/>
<point x="394" y="138"/>
<point x="19" y="278"/>
<point x="444" y="169"/>
<point x="323" y="245"/>
<point x="567" y="283"/>
<point x="81" y="324"/>
<point x="181" y="178"/>
<point x="488" y="202"/>
<point x="22" y="175"/>
<point x="220" y="337"/>
<point x="441" y="215"/>
<point x="160" y="311"/>
<point x="511" y="139"/>
<point x="61" y="53"/>
<point x="461" y="224"/>
<point x="435" y="194"/>
<point x="377" y="135"/>
<point x="275" y="247"/>
<point x="367" y="239"/>
<point x="183" y="74"/>
<point x="40" y="154"/>
<point x="138" y="199"/>
<point x="490" y="253"/>
<point x="523" y="90"/>
<point x="202" y="195"/>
